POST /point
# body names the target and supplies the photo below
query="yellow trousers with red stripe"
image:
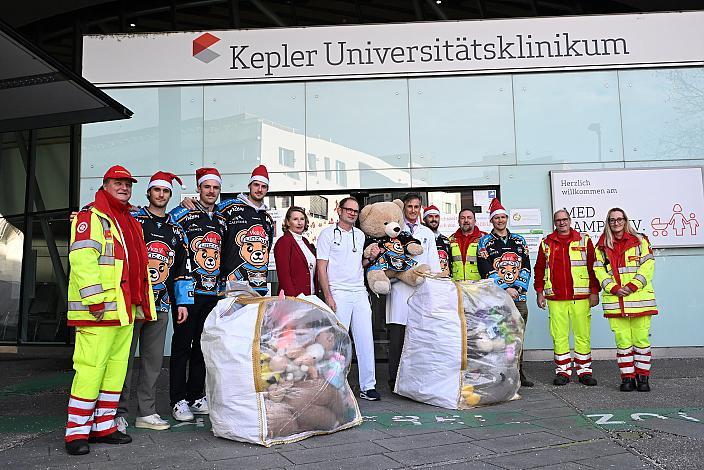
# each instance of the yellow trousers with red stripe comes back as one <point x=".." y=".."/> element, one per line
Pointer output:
<point x="100" y="361"/>
<point x="632" y="344"/>
<point x="576" y="313"/>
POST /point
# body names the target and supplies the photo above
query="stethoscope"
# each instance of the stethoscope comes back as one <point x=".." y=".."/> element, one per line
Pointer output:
<point x="337" y="230"/>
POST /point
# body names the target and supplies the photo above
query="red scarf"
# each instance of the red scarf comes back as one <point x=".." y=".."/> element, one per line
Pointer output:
<point x="135" y="269"/>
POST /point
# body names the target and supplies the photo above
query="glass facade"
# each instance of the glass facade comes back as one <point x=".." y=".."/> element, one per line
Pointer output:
<point x="505" y="131"/>
<point x="34" y="225"/>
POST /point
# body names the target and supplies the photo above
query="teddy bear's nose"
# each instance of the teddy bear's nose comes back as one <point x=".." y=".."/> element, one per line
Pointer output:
<point x="397" y="229"/>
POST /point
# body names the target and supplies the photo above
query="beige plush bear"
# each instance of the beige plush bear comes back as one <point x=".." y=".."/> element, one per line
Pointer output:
<point x="382" y="222"/>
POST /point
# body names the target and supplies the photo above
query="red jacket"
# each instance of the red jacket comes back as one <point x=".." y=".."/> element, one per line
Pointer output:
<point x="292" y="266"/>
<point x="560" y="270"/>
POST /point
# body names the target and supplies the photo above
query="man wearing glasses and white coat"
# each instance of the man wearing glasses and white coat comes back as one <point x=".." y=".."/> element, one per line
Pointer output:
<point x="397" y="300"/>
<point x="340" y="270"/>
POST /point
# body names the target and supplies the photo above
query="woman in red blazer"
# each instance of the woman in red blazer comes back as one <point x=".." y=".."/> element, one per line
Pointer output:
<point x="295" y="256"/>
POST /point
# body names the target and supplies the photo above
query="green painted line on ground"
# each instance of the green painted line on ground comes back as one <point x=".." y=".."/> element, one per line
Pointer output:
<point x="615" y="419"/>
<point x="38" y="384"/>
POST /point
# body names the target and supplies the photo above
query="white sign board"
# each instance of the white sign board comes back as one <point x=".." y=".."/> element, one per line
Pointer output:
<point x="422" y="48"/>
<point x="522" y="217"/>
<point x="666" y="204"/>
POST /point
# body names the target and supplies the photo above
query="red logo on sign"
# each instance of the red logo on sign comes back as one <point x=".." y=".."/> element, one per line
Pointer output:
<point x="201" y="46"/>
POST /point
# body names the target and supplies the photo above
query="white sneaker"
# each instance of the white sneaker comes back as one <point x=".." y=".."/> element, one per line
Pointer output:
<point x="200" y="406"/>
<point x="181" y="412"/>
<point x="151" y="422"/>
<point x="121" y="424"/>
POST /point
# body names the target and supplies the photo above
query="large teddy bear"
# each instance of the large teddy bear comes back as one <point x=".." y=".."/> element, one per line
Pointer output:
<point x="382" y="222"/>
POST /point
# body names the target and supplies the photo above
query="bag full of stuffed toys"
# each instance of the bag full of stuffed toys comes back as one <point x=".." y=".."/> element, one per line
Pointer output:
<point x="462" y="346"/>
<point x="277" y="370"/>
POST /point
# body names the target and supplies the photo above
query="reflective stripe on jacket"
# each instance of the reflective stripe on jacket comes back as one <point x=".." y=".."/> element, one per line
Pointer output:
<point x="467" y="271"/>
<point x="579" y="271"/>
<point x="96" y="258"/>
<point x="633" y="268"/>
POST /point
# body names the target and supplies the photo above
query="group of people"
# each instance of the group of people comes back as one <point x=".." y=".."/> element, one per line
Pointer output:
<point x="131" y="269"/>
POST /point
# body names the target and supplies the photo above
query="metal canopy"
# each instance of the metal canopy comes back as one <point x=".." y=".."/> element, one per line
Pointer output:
<point x="36" y="91"/>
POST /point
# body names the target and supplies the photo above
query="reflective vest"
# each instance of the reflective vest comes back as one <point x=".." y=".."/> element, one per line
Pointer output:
<point x="635" y="268"/>
<point x="467" y="271"/>
<point x="578" y="267"/>
<point x="96" y="273"/>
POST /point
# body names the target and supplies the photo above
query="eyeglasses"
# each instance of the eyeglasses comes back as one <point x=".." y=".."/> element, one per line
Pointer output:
<point x="618" y="220"/>
<point x="562" y="221"/>
<point x="350" y="210"/>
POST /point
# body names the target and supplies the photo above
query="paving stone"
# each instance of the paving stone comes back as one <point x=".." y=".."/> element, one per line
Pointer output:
<point x="445" y="453"/>
<point x="566" y="466"/>
<point x="369" y="462"/>
<point x="500" y="430"/>
<point x="557" y="412"/>
<point x="348" y="436"/>
<point x="471" y="465"/>
<point x="618" y="461"/>
<point x="253" y="462"/>
<point x="321" y="454"/>
<point x="578" y="433"/>
<point x="234" y="451"/>
<point x="422" y="440"/>
<point x="564" y="453"/>
<point x="533" y="440"/>
<point x="398" y="431"/>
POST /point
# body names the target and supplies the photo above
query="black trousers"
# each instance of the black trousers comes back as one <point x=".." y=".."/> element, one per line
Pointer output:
<point x="523" y="310"/>
<point x="396" y="336"/>
<point x="187" y="368"/>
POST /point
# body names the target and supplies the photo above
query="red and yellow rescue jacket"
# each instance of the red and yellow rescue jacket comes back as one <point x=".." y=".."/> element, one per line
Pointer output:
<point x="97" y="258"/>
<point x="630" y="263"/>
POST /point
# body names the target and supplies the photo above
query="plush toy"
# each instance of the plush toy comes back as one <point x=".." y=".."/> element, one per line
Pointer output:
<point x="280" y="419"/>
<point x="382" y="222"/>
<point x="469" y="397"/>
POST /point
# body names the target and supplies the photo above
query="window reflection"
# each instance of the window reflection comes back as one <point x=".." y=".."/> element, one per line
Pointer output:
<point x="11" y="246"/>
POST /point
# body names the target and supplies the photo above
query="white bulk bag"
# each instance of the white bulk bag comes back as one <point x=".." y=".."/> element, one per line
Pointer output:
<point x="462" y="345"/>
<point x="276" y="370"/>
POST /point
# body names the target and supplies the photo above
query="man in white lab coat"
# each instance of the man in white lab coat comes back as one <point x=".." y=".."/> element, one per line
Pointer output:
<point x="397" y="300"/>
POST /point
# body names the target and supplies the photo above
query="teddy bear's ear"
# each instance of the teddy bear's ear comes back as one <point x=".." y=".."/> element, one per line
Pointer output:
<point x="364" y="212"/>
<point x="399" y="203"/>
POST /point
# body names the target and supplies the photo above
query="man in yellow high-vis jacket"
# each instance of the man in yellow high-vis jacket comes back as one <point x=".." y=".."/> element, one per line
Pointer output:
<point x="565" y="282"/>
<point x="624" y="266"/>
<point x="463" y="248"/>
<point x="108" y="288"/>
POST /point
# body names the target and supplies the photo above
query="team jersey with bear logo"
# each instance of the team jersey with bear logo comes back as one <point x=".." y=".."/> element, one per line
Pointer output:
<point x="167" y="256"/>
<point x="505" y="261"/>
<point x="443" y="245"/>
<point x="248" y="240"/>
<point x="204" y="233"/>
<point x="393" y="254"/>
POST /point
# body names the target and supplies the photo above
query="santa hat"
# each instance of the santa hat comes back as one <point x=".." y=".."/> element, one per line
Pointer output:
<point x="203" y="174"/>
<point x="256" y="234"/>
<point x="431" y="210"/>
<point x="159" y="251"/>
<point x="165" y="180"/>
<point x="260" y="174"/>
<point x="509" y="259"/>
<point x="210" y="240"/>
<point x="495" y="208"/>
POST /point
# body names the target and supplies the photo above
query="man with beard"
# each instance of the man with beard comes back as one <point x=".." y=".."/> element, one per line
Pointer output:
<point x="463" y="244"/>
<point x="431" y="219"/>
<point x="249" y="234"/>
<point x="168" y="271"/>
<point x="204" y="228"/>
<point x="503" y="258"/>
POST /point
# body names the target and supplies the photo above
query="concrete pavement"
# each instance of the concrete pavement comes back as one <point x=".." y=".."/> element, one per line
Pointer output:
<point x="567" y="428"/>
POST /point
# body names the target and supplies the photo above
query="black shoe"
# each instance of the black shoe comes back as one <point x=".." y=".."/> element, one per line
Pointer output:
<point x="115" y="438"/>
<point x="628" y="384"/>
<point x="560" y="380"/>
<point x="371" y="395"/>
<point x="77" y="447"/>
<point x="526" y="383"/>
<point x="587" y="380"/>
<point x="643" y="385"/>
